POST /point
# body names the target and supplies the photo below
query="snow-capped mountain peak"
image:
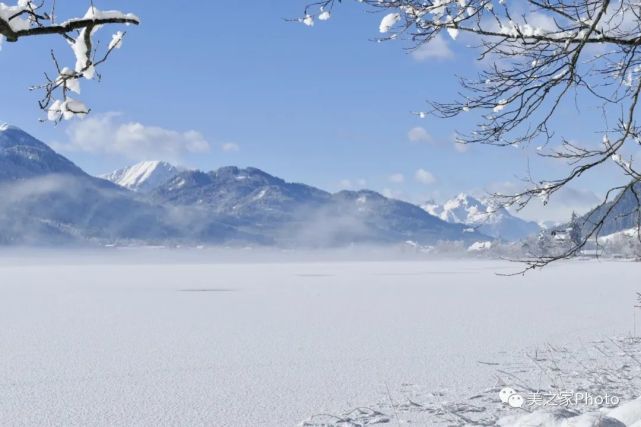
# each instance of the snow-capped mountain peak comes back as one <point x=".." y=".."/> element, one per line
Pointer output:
<point x="494" y="221"/>
<point x="432" y="208"/>
<point x="466" y="209"/>
<point x="143" y="176"/>
<point x="463" y="209"/>
<point x="7" y="126"/>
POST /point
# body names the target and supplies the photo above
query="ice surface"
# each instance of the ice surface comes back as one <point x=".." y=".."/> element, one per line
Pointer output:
<point x="130" y="337"/>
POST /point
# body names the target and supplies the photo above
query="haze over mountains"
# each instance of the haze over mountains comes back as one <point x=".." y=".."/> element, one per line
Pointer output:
<point x="254" y="201"/>
<point x="253" y="193"/>
<point x="49" y="200"/>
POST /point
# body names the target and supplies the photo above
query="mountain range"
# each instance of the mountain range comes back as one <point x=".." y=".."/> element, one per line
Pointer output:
<point x="494" y="221"/>
<point x="621" y="213"/>
<point x="47" y="199"/>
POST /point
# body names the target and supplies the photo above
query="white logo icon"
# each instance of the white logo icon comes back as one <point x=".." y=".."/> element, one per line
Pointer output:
<point x="511" y="397"/>
<point x="515" y="401"/>
<point x="505" y="394"/>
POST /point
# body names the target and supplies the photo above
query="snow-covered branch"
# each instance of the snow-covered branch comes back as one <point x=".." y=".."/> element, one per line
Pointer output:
<point x="27" y="18"/>
<point x="535" y="54"/>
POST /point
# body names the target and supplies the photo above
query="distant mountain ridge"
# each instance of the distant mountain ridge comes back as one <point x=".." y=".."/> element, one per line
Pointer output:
<point x="496" y="222"/>
<point x="49" y="200"/>
<point x="23" y="156"/>
<point x="252" y="199"/>
<point x="143" y="176"/>
<point x="620" y="214"/>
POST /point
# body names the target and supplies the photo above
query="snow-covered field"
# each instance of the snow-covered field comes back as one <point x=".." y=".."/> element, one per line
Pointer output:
<point x="159" y="338"/>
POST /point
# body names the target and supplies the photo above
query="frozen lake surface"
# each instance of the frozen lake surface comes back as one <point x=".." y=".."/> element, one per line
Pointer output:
<point x="139" y="339"/>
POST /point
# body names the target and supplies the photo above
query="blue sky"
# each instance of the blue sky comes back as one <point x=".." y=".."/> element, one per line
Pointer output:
<point x="234" y="84"/>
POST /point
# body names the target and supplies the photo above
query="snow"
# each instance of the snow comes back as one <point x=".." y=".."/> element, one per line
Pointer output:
<point x="82" y="54"/>
<point x="18" y="23"/>
<point x="560" y="417"/>
<point x="203" y="337"/>
<point x="95" y="13"/>
<point x="7" y="126"/>
<point x="261" y="194"/>
<point x="492" y="220"/>
<point x="67" y="77"/>
<point x="388" y="22"/>
<point x="81" y="46"/>
<point x="116" y="40"/>
<point x="480" y="246"/>
<point x="180" y="184"/>
<point x="628" y="413"/>
<point x="413" y="12"/>
<point x="144" y="175"/>
<point x="66" y="109"/>
<point x="324" y="15"/>
<point x="453" y="32"/>
<point x="625" y="165"/>
<point x="623" y="234"/>
<point x="500" y="106"/>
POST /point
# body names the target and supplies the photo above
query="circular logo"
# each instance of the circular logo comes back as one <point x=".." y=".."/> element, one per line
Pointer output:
<point x="505" y="394"/>
<point x="515" y="401"/>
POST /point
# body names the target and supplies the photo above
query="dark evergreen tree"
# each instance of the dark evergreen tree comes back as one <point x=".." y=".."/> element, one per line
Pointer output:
<point x="575" y="230"/>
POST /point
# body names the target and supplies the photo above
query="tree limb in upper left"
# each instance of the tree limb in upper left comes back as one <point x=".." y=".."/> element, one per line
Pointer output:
<point x="28" y="19"/>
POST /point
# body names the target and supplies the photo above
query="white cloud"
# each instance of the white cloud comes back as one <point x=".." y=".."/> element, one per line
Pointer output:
<point x="419" y="134"/>
<point x="461" y="148"/>
<point x="397" y="178"/>
<point x="437" y="48"/>
<point x="540" y="20"/>
<point x="345" y="184"/>
<point x="106" y="134"/>
<point x="424" y="177"/>
<point x="230" y="147"/>
<point x="348" y="184"/>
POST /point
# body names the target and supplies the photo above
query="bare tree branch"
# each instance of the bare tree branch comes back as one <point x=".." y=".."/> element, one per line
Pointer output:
<point x="26" y="20"/>
<point x="541" y="52"/>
